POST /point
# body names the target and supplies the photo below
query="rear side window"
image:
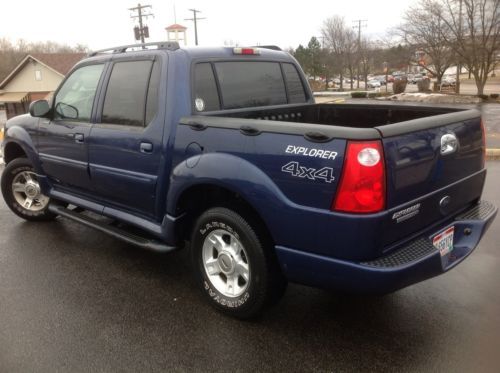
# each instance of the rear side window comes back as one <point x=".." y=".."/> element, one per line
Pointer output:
<point x="206" y="95"/>
<point x="248" y="84"/>
<point x="296" y="92"/>
<point x="125" y="101"/>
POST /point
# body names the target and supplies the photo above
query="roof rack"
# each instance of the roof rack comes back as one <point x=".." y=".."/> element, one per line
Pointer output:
<point x="169" y="45"/>
<point x="273" y="47"/>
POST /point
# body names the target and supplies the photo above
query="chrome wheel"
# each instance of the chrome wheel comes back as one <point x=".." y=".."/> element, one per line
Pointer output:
<point x="226" y="263"/>
<point x="27" y="192"/>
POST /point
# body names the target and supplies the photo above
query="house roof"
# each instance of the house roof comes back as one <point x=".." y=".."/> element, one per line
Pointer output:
<point x="61" y="63"/>
<point x="175" y="26"/>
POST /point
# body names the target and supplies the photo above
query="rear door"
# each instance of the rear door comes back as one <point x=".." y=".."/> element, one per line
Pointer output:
<point x="125" y="143"/>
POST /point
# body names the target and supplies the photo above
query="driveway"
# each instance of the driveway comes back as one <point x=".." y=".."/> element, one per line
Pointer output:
<point x="75" y="300"/>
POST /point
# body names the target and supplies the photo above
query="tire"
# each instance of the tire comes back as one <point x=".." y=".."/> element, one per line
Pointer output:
<point x="234" y="265"/>
<point x="21" y="191"/>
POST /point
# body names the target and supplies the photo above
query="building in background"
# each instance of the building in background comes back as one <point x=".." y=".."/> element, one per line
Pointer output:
<point x="176" y="33"/>
<point x="36" y="77"/>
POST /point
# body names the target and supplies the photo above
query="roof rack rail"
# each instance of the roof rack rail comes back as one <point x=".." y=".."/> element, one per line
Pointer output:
<point x="169" y="45"/>
<point x="273" y="47"/>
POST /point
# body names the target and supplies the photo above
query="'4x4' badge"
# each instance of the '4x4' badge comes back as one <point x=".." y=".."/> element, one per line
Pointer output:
<point x="311" y="173"/>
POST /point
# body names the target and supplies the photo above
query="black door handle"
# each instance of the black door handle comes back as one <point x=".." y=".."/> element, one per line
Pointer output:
<point x="79" y="138"/>
<point x="146" y="147"/>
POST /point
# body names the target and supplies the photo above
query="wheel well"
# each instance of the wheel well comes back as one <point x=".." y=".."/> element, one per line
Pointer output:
<point x="195" y="200"/>
<point x="13" y="151"/>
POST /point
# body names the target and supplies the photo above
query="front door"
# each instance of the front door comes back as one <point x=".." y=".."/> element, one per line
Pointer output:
<point x="62" y="140"/>
<point x="125" y="144"/>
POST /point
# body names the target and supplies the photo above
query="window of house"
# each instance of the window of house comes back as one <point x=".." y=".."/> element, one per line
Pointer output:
<point x="38" y="75"/>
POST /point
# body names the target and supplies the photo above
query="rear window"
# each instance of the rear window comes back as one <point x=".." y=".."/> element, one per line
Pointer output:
<point x="294" y="85"/>
<point x="248" y="84"/>
<point x="206" y="95"/>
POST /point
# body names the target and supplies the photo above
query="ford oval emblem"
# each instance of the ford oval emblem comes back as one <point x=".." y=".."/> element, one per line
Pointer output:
<point x="449" y="144"/>
<point x="445" y="201"/>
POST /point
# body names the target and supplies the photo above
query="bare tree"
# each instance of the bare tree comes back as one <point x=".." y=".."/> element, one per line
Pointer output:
<point x="424" y="31"/>
<point x="472" y="28"/>
<point x="341" y="41"/>
<point x="11" y="54"/>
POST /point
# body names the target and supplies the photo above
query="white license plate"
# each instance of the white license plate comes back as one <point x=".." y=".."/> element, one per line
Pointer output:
<point x="444" y="241"/>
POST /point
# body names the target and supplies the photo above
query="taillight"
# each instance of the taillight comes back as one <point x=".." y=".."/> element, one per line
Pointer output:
<point x="483" y="134"/>
<point x="246" y="51"/>
<point x="362" y="184"/>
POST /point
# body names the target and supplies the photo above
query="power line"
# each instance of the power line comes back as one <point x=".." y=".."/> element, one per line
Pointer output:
<point x="195" y="19"/>
<point x="142" y="31"/>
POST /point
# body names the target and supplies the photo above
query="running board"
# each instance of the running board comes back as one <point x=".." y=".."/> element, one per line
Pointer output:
<point x="145" y="243"/>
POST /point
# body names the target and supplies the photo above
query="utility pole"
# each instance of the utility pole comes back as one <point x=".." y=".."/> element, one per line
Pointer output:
<point x="322" y="41"/>
<point x="457" y="78"/>
<point x="142" y="31"/>
<point x="195" y="19"/>
<point x="361" y="23"/>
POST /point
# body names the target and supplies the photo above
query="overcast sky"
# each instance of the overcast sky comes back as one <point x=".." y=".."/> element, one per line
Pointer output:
<point x="106" y="23"/>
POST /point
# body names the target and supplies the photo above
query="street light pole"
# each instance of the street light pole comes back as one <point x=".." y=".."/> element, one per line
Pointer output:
<point x="386" y="68"/>
<point x="457" y="78"/>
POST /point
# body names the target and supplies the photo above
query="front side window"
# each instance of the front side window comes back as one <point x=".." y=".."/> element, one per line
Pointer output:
<point x="75" y="98"/>
<point x="125" y="100"/>
<point x="249" y="84"/>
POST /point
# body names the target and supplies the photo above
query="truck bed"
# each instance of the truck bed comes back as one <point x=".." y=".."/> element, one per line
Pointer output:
<point x="344" y="115"/>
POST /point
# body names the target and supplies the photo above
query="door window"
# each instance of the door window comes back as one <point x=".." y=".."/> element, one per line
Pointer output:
<point x="131" y="99"/>
<point x="75" y="98"/>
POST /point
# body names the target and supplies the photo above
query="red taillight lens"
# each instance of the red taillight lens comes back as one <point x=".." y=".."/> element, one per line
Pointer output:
<point x="246" y="51"/>
<point x="362" y="185"/>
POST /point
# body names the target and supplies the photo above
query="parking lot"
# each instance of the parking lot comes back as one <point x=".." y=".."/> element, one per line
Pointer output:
<point x="73" y="299"/>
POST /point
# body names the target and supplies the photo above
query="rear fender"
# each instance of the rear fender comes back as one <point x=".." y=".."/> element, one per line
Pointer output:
<point x="232" y="173"/>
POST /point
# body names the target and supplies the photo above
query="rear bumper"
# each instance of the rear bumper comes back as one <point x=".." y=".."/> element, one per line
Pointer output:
<point x="413" y="262"/>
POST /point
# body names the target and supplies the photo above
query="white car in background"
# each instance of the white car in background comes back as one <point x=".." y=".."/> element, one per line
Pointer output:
<point x="373" y="84"/>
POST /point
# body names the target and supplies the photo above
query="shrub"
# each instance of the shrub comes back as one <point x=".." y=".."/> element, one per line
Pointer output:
<point x="373" y="94"/>
<point x="399" y="86"/>
<point x="484" y="97"/>
<point x="358" y="94"/>
<point x="424" y="85"/>
<point x="494" y="96"/>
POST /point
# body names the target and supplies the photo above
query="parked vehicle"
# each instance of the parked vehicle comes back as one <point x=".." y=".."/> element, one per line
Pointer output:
<point x="448" y="80"/>
<point x="225" y="148"/>
<point x="374" y="83"/>
<point x="416" y="78"/>
<point x="381" y="79"/>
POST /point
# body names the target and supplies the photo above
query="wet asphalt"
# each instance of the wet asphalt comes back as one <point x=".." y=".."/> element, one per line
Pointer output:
<point x="75" y="300"/>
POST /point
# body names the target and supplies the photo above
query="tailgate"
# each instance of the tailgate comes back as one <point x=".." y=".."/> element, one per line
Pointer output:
<point x="434" y="169"/>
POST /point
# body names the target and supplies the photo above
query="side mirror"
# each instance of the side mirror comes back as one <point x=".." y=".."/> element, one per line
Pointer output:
<point x="65" y="111"/>
<point x="39" y="108"/>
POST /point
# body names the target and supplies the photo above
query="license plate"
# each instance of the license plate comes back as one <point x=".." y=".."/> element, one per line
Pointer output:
<point x="444" y="241"/>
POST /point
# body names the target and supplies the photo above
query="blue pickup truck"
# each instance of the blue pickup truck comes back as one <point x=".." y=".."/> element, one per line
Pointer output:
<point x="226" y="150"/>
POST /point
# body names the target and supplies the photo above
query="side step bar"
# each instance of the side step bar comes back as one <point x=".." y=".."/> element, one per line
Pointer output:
<point x="145" y="243"/>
